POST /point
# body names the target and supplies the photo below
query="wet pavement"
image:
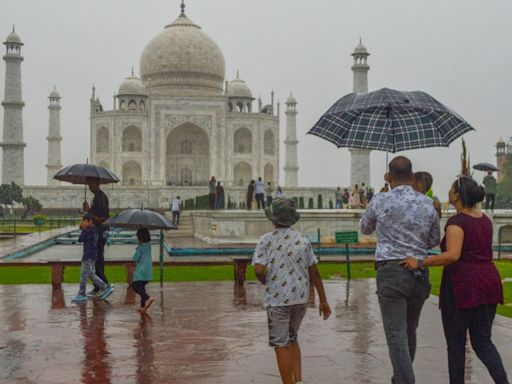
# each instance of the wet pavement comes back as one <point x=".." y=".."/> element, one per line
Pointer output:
<point x="206" y="333"/>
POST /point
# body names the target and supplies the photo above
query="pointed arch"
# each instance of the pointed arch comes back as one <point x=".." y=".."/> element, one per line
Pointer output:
<point x="269" y="142"/>
<point x="132" y="173"/>
<point x="242" y="141"/>
<point x="132" y="139"/>
<point x="102" y="140"/>
<point x="242" y="174"/>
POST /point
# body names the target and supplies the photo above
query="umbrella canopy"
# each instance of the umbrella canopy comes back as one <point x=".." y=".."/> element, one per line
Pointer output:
<point x="487" y="167"/>
<point x="82" y="173"/>
<point x="140" y="218"/>
<point x="391" y="121"/>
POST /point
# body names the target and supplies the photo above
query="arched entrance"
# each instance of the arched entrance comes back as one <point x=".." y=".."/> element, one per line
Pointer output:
<point x="268" y="173"/>
<point x="187" y="156"/>
<point x="132" y="174"/>
<point x="242" y="174"/>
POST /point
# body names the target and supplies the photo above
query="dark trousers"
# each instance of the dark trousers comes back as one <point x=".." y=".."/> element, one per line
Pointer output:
<point x="176" y="217"/>
<point x="140" y="289"/>
<point x="100" y="261"/>
<point x="211" y="201"/>
<point x="489" y="201"/>
<point x="401" y="297"/>
<point x="260" y="200"/>
<point x="478" y="321"/>
<point x="269" y="201"/>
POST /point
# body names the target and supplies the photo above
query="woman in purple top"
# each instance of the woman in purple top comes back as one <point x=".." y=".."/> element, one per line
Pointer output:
<point x="471" y="285"/>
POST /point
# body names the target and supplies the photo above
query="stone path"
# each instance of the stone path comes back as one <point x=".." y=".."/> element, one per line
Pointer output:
<point x="203" y="333"/>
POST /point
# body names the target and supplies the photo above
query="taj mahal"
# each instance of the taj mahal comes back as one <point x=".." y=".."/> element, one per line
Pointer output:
<point x="174" y="126"/>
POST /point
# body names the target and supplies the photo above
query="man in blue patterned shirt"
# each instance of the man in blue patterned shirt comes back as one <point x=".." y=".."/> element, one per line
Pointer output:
<point x="284" y="262"/>
<point x="406" y="224"/>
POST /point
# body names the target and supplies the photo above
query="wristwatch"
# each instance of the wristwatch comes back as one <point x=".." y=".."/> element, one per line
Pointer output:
<point x="420" y="263"/>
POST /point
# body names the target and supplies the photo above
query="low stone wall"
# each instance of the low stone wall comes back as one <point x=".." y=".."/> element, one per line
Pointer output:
<point x="248" y="226"/>
<point x="68" y="196"/>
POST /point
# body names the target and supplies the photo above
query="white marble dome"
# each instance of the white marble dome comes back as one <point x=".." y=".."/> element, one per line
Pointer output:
<point x="239" y="89"/>
<point x="132" y="86"/>
<point x="13" y="37"/>
<point x="183" y="60"/>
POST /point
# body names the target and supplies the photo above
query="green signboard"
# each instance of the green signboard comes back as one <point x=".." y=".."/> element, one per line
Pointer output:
<point x="347" y="237"/>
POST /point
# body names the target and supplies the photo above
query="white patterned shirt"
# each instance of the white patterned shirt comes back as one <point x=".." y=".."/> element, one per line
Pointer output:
<point x="405" y="221"/>
<point x="287" y="254"/>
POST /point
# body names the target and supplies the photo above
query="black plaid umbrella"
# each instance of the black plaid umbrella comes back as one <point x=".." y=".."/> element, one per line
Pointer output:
<point x="390" y="121"/>
<point x="83" y="173"/>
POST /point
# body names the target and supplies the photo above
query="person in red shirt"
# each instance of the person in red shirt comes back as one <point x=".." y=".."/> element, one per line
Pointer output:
<point x="471" y="285"/>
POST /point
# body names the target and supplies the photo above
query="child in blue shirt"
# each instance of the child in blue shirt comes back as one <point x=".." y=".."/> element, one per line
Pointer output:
<point x="144" y="270"/>
<point x="89" y="237"/>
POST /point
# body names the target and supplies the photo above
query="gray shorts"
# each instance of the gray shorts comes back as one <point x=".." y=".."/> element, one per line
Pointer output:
<point x="284" y="323"/>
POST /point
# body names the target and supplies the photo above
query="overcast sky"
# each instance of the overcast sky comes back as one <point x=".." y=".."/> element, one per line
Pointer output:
<point x="459" y="51"/>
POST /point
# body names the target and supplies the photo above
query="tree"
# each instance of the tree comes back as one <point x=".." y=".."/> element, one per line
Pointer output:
<point x="31" y="205"/>
<point x="504" y="187"/>
<point x="9" y="194"/>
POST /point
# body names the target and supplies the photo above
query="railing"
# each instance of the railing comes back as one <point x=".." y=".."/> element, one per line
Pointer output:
<point x="14" y="226"/>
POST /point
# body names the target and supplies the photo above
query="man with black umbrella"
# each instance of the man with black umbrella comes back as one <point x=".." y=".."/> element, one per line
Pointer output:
<point x="100" y="210"/>
<point x="490" y="191"/>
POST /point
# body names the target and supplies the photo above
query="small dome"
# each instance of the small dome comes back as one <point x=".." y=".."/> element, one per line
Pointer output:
<point x="238" y="88"/>
<point x="182" y="59"/>
<point x="132" y="86"/>
<point x="54" y="94"/>
<point x="291" y="100"/>
<point x="361" y="49"/>
<point x="13" y="37"/>
<point x="501" y="141"/>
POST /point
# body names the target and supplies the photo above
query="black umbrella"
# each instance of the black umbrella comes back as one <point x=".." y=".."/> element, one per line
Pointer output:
<point x="83" y="173"/>
<point x="144" y="218"/>
<point x="140" y="218"/>
<point x="391" y="121"/>
<point x="486" y="167"/>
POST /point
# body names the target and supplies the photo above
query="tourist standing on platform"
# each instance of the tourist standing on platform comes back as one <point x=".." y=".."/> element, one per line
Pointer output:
<point x="89" y="237"/>
<point x="406" y="224"/>
<point x="176" y="208"/>
<point x="346" y="198"/>
<point x="284" y="262"/>
<point x="260" y="193"/>
<point x="211" y="193"/>
<point x="279" y="193"/>
<point x="268" y="193"/>
<point x="100" y="210"/>
<point x="490" y="191"/>
<point x="338" y="197"/>
<point x="471" y="284"/>
<point x="385" y="188"/>
<point x="250" y="195"/>
<point x="369" y="195"/>
<point x="356" y="197"/>
<point x="219" y="196"/>
<point x="144" y="268"/>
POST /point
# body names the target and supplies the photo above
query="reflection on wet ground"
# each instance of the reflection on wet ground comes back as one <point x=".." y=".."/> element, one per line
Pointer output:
<point x="206" y="333"/>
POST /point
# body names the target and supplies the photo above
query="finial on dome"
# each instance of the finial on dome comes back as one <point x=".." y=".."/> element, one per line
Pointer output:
<point x="182" y="6"/>
<point x="13" y="29"/>
<point x="238" y="74"/>
<point x="132" y="71"/>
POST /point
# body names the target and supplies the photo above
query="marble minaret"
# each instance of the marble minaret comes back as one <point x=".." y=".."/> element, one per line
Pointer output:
<point x="360" y="158"/>
<point x="291" y="167"/>
<point x="54" y="138"/>
<point x="12" y="144"/>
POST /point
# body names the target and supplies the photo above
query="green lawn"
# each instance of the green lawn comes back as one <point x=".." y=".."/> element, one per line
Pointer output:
<point x="42" y="275"/>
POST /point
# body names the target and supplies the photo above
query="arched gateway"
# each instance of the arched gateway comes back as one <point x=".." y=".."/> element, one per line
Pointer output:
<point x="187" y="159"/>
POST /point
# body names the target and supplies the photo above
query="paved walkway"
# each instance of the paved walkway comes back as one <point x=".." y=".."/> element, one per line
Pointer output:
<point x="199" y="333"/>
